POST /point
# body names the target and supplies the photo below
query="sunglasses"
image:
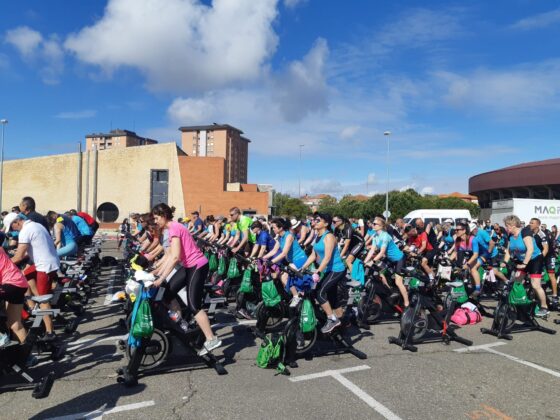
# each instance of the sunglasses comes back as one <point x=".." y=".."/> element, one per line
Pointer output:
<point x="336" y="221"/>
<point x="458" y="229"/>
<point x="376" y="224"/>
<point x="317" y="220"/>
<point x="232" y="214"/>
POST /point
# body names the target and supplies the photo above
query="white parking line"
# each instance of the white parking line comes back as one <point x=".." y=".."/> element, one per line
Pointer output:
<point x="488" y="348"/>
<point x="233" y="324"/>
<point x="356" y="390"/>
<point x="99" y="413"/>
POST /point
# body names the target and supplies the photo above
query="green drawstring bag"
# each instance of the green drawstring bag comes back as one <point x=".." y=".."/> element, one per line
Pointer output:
<point x="143" y="324"/>
<point x="213" y="263"/>
<point x="222" y="266"/>
<point x="246" y="285"/>
<point x="270" y="295"/>
<point x="271" y="353"/>
<point x="206" y="254"/>
<point x="518" y="295"/>
<point x="307" y="319"/>
<point x="233" y="269"/>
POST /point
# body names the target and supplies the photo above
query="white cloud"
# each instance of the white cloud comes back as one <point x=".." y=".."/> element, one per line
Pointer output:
<point x="36" y="49"/>
<point x="539" y="21"/>
<point x="181" y="44"/>
<point x="188" y="111"/>
<point x="349" y="132"/>
<point x="427" y="190"/>
<point x="24" y="39"/>
<point x="527" y="90"/>
<point x="371" y="179"/>
<point x="76" y="115"/>
<point x="302" y="89"/>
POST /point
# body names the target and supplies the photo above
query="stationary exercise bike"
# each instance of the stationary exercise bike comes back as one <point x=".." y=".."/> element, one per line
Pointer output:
<point x="512" y="308"/>
<point x="426" y="315"/>
<point x="152" y="352"/>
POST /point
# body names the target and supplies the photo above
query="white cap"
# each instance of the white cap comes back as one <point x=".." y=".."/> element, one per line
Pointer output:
<point x="8" y="220"/>
<point x="295" y="223"/>
<point x="473" y="226"/>
<point x="448" y="221"/>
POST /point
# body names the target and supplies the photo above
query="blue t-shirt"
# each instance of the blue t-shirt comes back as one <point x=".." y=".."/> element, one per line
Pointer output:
<point x="295" y="253"/>
<point x="483" y="239"/>
<point x="336" y="264"/>
<point x="198" y="225"/>
<point x="70" y="232"/>
<point x="82" y="226"/>
<point x="392" y="251"/>
<point x="517" y="247"/>
<point x="265" y="239"/>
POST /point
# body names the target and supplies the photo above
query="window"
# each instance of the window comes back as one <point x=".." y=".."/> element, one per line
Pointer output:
<point x="107" y="212"/>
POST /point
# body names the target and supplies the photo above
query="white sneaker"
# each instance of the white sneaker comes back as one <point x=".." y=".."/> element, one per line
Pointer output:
<point x="295" y="300"/>
<point x="210" y="345"/>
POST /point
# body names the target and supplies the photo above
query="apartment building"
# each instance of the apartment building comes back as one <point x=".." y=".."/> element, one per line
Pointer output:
<point x="219" y="140"/>
<point x="116" y="139"/>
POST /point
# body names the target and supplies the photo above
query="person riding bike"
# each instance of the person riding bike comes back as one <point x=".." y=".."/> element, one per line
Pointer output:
<point x="351" y="242"/>
<point x="86" y="233"/>
<point x="27" y="207"/>
<point x="243" y="235"/>
<point x="331" y="267"/>
<point x="66" y="234"/>
<point x="265" y="242"/>
<point x="542" y="239"/>
<point x="35" y="242"/>
<point x="522" y="247"/>
<point x="288" y="248"/>
<point x="422" y="248"/>
<point x="184" y="270"/>
<point x="384" y="248"/>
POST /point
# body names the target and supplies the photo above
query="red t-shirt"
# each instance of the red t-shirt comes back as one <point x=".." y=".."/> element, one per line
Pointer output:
<point x="89" y="220"/>
<point x="417" y="241"/>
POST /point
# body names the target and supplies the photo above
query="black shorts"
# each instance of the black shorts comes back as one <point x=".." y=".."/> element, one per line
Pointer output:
<point x="398" y="266"/>
<point x="187" y="284"/>
<point x="430" y="255"/>
<point x="12" y="294"/>
<point x="327" y="288"/>
<point x="356" y="248"/>
<point x="535" y="266"/>
<point x="550" y="263"/>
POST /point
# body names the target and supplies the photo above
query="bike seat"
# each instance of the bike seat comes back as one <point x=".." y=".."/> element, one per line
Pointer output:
<point x="69" y="262"/>
<point x="42" y="298"/>
<point x="454" y="283"/>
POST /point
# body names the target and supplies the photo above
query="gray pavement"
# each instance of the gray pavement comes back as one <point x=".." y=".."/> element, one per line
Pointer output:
<point x="517" y="379"/>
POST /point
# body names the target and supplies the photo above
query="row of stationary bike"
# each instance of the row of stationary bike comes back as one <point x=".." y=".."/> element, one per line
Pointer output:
<point x="67" y="300"/>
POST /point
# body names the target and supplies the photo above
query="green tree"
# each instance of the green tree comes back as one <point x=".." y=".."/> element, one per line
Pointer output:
<point x="293" y="207"/>
<point x="278" y="202"/>
<point x="328" y="205"/>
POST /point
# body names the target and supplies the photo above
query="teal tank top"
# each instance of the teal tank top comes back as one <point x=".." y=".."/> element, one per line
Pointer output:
<point x="335" y="264"/>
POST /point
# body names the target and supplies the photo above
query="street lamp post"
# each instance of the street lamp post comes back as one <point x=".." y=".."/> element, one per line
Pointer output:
<point x="299" y="182"/>
<point x="387" y="214"/>
<point x="3" y="122"/>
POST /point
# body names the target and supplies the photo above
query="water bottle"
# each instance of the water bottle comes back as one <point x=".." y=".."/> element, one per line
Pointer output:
<point x="176" y="317"/>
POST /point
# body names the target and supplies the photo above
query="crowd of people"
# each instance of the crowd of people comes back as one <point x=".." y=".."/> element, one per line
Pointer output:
<point x="32" y="246"/>
<point x="332" y="243"/>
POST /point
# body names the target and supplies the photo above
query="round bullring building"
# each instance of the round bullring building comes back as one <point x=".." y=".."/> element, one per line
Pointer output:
<point x="534" y="180"/>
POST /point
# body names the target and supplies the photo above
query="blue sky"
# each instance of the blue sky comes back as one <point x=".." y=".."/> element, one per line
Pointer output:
<point x="464" y="87"/>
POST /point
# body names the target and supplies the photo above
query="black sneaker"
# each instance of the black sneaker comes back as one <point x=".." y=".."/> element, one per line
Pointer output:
<point x="244" y="314"/>
<point x="49" y="337"/>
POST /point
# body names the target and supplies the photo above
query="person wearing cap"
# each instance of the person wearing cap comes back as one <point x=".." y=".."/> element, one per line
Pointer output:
<point x="35" y="242"/>
<point x="487" y="252"/>
<point x="300" y="230"/>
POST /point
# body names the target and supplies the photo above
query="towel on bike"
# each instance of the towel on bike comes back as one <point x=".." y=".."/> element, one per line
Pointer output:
<point x="358" y="271"/>
<point x="302" y="284"/>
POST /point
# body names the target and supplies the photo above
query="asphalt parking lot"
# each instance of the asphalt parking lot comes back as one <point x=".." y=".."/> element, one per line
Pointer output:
<point x="491" y="380"/>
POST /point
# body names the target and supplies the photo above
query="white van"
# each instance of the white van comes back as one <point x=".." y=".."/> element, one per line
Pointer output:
<point x="438" y="216"/>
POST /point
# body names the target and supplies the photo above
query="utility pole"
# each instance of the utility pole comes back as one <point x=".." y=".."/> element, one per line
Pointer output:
<point x="300" y="147"/>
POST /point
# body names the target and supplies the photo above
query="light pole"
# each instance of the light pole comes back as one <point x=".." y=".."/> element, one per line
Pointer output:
<point x="300" y="147"/>
<point x="387" y="214"/>
<point x="3" y="122"/>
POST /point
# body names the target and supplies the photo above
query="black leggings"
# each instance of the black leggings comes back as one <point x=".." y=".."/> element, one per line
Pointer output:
<point x="327" y="289"/>
<point x="189" y="281"/>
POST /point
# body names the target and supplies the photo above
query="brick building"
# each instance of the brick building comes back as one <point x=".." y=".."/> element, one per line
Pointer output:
<point x="116" y="139"/>
<point x="219" y="140"/>
<point x="114" y="181"/>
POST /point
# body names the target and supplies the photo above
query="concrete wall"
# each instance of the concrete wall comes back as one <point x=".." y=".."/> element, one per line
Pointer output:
<point x="123" y="179"/>
<point x="203" y="188"/>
